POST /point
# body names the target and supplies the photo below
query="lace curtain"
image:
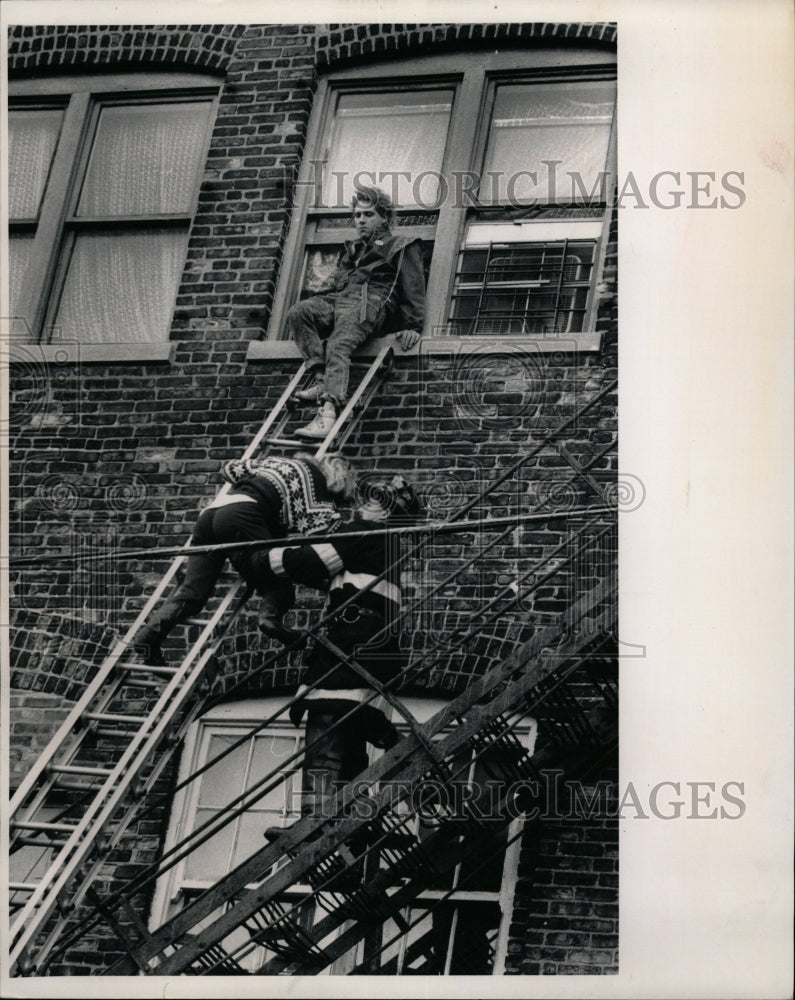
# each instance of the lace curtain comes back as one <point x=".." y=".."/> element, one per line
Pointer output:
<point x="144" y="160"/>
<point x="120" y="287"/>
<point x="32" y="138"/>
<point x="121" y="284"/>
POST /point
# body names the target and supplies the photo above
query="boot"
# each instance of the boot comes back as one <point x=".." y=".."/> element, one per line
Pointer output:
<point x="273" y="606"/>
<point x="320" y="427"/>
<point x="271" y="624"/>
<point x="148" y="639"/>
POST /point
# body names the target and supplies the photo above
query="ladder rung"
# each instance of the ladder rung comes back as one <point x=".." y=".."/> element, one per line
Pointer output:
<point x="76" y="786"/>
<point x="142" y="668"/>
<point x="288" y="442"/>
<point x="121" y="720"/>
<point x="29" y="824"/>
<point x="21" y="887"/>
<point x="197" y="621"/>
<point x="148" y="685"/>
<point x="98" y="772"/>
<point x="45" y="845"/>
<point x="114" y="733"/>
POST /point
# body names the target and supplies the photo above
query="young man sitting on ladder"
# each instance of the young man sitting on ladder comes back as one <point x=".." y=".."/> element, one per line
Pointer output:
<point x="379" y="276"/>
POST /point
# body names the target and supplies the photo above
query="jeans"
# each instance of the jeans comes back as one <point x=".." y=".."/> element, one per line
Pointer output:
<point x="328" y="328"/>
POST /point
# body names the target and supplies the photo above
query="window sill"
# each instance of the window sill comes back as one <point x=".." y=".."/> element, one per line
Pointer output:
<point x="274" y="350"/>
<point x="74" y="353"/>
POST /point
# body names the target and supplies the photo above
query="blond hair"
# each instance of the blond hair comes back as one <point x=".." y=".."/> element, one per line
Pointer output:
<point x="340" y="474"/>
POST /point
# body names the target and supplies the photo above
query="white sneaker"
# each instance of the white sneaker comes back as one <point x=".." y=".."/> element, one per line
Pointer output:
<point x="320" y="427"/>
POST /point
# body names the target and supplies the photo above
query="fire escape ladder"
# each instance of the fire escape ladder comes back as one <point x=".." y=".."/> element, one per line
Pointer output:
<point x="104" y="759"/>
<point x="337" y="856"/>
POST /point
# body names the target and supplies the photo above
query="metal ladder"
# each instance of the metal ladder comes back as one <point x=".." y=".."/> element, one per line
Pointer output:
<point x="108" y="792"/>
<point x="192" y="942"/>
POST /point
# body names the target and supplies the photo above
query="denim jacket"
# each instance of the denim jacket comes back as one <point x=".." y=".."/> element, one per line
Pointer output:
<point x="391" y="271"/>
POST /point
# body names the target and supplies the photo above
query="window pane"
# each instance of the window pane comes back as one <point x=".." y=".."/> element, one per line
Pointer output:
<point x="531" y="123"/>
<point x="120" y="287"/>
<point x="385" y="133"/>
<point x="224" y="780"/>
<point x="269" y="752"/>
<point x="210" y="861"/>
<point x="144" y="159"/>
<point x="320" y="266"/>
<point x="475" y="936"/>
<point x="32" y="138"/>
<point x="19" y="248"/>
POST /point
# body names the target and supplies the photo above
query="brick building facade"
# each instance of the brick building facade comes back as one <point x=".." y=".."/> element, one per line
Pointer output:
<point x="116" y="438"/>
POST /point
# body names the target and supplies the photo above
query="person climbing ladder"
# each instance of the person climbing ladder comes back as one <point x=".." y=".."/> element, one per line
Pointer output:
<point x="270" y="498"/>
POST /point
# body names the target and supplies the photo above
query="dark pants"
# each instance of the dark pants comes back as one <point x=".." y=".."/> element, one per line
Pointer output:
<point x="338" y="755"/>
<point x="237" y="522"/>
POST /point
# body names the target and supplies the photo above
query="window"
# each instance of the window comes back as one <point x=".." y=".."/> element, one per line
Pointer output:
<point x="525" y="278"/>
<point x="209" y="795"/>
<point x="501" y="163"/>
<point x="103" y="184"/>
<point x="460" y="923"/>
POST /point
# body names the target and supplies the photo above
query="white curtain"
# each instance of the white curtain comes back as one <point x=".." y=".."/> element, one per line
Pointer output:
<point x="379" y="134"/>
<point x="32" y="138"/>
<point x="144" y="159"/>
<point x="120" y="287"/>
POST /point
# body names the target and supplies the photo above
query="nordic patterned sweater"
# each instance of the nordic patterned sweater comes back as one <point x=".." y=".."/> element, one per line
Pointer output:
<point x="292" y="492"/>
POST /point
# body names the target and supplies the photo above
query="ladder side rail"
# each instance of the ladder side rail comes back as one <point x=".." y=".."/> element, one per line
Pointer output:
<point x="352" y="407"/>
<point x="273" y="416"/>
<point x="251" y="870"/>
<point x="32" y="777"/>
<point x="99" y="811"/>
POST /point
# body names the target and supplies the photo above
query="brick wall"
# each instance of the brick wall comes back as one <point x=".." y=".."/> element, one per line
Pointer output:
<point x="106" y="455"/>
<point x="565" y="920"/>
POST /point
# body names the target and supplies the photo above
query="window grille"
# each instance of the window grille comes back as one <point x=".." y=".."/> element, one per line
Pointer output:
<point x="523" y="288"/>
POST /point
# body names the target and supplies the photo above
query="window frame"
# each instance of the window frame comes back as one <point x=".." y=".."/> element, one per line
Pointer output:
<point x="475" y="78"/>
<point x="82" y="98"/>
<point x="250" y="712"/>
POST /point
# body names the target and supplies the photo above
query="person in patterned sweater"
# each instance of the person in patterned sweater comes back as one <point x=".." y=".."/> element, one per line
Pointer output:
<point x="365" y="630"/>
<point x="269" y="498"/>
